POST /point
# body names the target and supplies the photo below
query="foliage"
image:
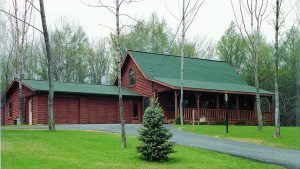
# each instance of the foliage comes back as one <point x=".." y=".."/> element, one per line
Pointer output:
<point x="98" y="62"/>
<point x="288" y="139"/>
<point x="152" y="35"/>
<point x="221" y="122"/>
<point x="82" y="149"/>
<point x="241" y="122"/>
<point x="287" y="76"/>
<point x="155" y="137"/>
<point x="177" y="120"/>
<point x="75" y="58"/>
<point x="69" y="48"/>
<point x="231" y="49"/>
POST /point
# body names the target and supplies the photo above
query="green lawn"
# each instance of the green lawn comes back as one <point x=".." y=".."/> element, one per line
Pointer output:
<point x="81" y="149"/>
<point x="290" y="136"/>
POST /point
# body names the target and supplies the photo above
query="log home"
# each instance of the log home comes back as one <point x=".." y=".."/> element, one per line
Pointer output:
<point x="144" y="75"/>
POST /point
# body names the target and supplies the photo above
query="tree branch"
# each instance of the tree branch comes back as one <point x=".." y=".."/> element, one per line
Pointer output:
<point x="192" y="20"/>
<point x="129" y="17"/>
<point x="21" y="20"/>
<point x="31" y="3"/>
<point x="107" y="27"/>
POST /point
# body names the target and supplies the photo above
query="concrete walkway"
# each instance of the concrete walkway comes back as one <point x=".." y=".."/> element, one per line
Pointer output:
<point x="285" y="157"/>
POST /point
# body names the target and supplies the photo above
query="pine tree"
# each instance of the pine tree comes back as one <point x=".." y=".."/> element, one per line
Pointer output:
<point x="155" y="137"/>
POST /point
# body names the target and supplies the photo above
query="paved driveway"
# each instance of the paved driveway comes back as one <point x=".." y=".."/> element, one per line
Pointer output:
<point x="285" y="157"/>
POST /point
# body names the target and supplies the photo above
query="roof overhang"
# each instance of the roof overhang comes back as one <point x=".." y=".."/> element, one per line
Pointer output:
<point x="128" y="55"/>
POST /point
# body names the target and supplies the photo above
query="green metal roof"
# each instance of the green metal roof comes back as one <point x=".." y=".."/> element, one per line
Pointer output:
<point x="40" y="85"/>
<point x="198" y="73"/>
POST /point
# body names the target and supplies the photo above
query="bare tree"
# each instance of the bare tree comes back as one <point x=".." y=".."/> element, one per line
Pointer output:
<point x="98" y="62"/>
<point x="256" y="11"/>
<point x="188" y="15"/>
<point x="21" y="28"/>
<point x="46" y="36"/>
<point x="115" y="10"/>
<point x="279" y="21"/>
<point x="50" y="69"/>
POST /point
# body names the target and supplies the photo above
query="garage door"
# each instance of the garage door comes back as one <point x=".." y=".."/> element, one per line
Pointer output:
<point x="101" y="111"/>
<point x="66" y="110"/>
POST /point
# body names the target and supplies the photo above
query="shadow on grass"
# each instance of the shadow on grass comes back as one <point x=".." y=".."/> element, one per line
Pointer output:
<point x="172" y="160"/>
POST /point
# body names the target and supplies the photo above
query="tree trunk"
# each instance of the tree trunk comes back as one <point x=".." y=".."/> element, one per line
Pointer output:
<point x="256" y="56"/>
<point x="277" y="114"/>
<point x="50" y="69"/>
<point x="19" y="56"/>
<point x="182" y="62"/>
<point x="119" y="77"/>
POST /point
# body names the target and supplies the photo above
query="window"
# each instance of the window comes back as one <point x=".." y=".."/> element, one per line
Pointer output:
<point x="9" y="110"/>
<point x="135" y="110"/>
<point x="131" y="77"/>
<point x="147" y="102"/>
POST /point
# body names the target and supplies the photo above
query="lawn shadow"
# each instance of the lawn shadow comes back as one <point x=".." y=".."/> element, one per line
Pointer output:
<point x="172" y="160"/>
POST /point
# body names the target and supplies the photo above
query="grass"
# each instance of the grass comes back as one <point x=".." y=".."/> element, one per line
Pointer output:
<point x="82" y="149"/>
<point x="290" y="136"/>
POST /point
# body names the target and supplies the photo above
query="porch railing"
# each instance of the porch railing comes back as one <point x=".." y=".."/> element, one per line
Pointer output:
<point x="219" y="114"/>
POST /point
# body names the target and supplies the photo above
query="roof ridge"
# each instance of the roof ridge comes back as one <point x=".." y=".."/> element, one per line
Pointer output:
<point x="72" y="82"/>
<point x="177" y="56"/>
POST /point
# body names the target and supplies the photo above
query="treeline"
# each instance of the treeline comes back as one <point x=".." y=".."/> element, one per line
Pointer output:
<point x="82" y="60"/>
<point x="231" y="48"/>
<point x="75" y="57"/>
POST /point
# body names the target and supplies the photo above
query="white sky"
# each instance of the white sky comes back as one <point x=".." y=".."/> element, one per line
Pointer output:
<point x="212" y="20"/>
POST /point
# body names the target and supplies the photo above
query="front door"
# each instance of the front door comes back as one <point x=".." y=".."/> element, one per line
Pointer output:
<point x="30" y="112"/>
<point x="135" y="112"/>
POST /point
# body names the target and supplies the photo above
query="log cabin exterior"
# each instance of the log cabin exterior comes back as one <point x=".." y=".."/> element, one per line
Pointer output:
<point x="144" y="75"/>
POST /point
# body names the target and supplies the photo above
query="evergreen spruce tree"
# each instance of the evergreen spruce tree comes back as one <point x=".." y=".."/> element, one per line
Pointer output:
<point x="155" y="137"/>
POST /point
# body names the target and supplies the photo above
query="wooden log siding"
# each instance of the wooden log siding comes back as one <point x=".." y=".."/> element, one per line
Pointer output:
<point x="214" y="115"/>
<point x="13" y="98"/>
<point x="142" y="85"/>
<point x="42" y="107"/>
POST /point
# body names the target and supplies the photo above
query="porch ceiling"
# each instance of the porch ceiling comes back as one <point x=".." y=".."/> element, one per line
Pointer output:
<point x="226" y="87"/>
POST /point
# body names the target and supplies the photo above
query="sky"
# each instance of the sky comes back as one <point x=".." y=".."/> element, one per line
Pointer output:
<point x="212" y="20"/>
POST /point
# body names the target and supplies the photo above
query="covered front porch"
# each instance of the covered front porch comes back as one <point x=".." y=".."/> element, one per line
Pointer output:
<point x="211" y="105"/>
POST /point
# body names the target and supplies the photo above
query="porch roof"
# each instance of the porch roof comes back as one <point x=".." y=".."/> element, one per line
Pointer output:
<point x="42" y="85"/>
<point x="212" y="86"/>
<point x="198" y="73"/>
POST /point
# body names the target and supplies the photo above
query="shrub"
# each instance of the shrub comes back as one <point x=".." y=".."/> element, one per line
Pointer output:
<point x="177" y="121"/>
<point x="241" y="122"/>
<point x="221" y="122"/>
<point x="155" y="137"/>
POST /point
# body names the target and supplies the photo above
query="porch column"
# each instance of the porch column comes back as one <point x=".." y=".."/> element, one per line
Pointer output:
<point x="198" y="105"/>
<point x="175" y="101"/>
<point x="254" y="104"/>
<point x="218" y="102"/>
<point x="270" y="104"/>
<point x="271" y="107"/>
<point x="238" y="107"/>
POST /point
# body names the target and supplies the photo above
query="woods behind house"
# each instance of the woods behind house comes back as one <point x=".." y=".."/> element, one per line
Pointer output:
<point x="79" y="59"/>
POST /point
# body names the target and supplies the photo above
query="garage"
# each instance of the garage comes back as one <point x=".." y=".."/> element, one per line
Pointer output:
<point x="102" y="111"/>
<point x="66" y="110"/>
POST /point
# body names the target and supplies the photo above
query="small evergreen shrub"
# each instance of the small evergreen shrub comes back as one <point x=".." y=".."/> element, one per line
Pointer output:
<point x="154" y="136"/>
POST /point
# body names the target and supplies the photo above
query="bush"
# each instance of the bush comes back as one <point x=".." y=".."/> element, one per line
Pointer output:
<point x="177" y="121"/>
<point x="221" y="122"/>
<point x="241" y="122"/>
<point x="155" y="138"/>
